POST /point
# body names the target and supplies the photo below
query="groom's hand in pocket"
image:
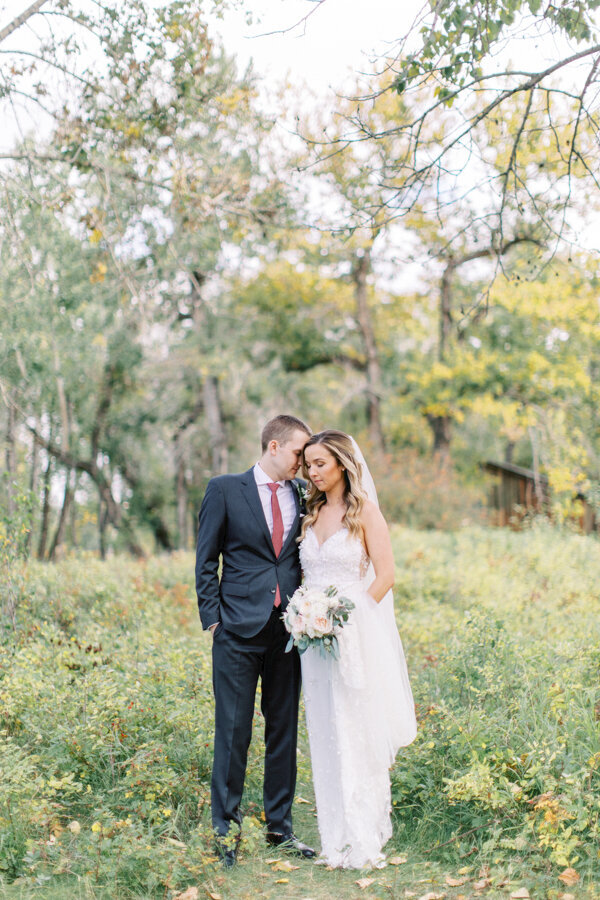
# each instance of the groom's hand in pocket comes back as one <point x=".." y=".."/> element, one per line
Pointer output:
<point x="213" y="628"/>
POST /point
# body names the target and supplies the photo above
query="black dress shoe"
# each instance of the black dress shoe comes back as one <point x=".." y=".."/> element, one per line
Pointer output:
<point x="227" y="853"/>
<point x="290" y="843"/>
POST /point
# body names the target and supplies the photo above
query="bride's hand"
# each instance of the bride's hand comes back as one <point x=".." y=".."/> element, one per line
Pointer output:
<point x="379" y="549"/>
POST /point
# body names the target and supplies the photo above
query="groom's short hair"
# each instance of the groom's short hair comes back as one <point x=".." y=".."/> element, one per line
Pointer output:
<point x="280" y="429"/>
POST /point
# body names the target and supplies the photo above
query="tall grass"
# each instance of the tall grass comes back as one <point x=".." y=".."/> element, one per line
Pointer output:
<point x="106" y="725"/>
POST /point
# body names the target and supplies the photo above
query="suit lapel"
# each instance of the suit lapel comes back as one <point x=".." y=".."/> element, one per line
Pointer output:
<point x="250" y="492"/>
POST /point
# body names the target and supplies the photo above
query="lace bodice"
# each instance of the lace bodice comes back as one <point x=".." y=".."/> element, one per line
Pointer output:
<point x="340" y="560"/>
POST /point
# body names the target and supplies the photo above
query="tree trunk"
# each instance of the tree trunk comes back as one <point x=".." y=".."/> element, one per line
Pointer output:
<point x="114" y="511"/>
<point x="73" y="521"/>
<point x="181" y="494"/>
<point x="10" y="458"/>
<point x="102" y="522"/>
<point x="210" y="387"/>
<point x="360" y="270"/>
<point x="445" y="323"/>
<point x="33" y="487"/>
<point x="216" y="431"/>
<point x="41" y="552"/>
<point x="441" y="427"/>
<point x="64" y="513"/>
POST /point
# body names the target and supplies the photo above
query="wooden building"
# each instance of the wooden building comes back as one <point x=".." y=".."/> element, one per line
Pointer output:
<point x="516" y="493"/>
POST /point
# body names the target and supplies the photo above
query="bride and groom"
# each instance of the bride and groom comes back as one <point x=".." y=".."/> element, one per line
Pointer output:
<point x="359" y="708"/>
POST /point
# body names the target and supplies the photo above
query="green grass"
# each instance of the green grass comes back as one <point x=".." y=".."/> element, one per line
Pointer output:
<point x="106" y="722"/>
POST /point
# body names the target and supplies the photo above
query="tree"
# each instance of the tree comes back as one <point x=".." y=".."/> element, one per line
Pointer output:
<point x="453" y="69"/>
<point x="148" y="182"/>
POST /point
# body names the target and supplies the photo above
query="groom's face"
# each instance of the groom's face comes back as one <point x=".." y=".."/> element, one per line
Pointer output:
<point x="286" y="458"/>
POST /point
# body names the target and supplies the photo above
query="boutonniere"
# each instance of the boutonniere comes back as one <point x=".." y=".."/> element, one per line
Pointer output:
<point x="302" y="492"/>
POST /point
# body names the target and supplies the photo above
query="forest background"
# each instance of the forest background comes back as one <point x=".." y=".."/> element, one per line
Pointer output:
<point x="187" y="248"/>
<point x="185" y="255"/>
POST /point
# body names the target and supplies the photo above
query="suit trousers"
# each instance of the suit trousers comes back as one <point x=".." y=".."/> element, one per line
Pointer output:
<point x="238" y="663"/>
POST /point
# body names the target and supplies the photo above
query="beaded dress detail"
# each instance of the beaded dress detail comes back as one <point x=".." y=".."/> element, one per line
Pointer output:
<point x="359" y="709"/>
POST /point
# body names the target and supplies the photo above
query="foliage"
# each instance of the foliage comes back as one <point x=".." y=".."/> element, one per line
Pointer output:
<point x="106" y="706"/>
<point x="418" y="491"/>
<point x="463" y="36"/>
<point x="508" y="698"/>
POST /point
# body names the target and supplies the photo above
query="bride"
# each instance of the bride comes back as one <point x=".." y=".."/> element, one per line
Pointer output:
<point x="359" y="709"/>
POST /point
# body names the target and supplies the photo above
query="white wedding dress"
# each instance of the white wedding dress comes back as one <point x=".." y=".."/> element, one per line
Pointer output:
<point x="359" y="709"/>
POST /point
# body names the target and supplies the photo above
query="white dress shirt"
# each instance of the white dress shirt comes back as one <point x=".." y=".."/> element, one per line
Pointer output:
<point x="285" y="495"/>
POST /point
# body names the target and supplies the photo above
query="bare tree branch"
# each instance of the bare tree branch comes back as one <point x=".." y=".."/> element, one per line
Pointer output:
<point x="20" y="20"/>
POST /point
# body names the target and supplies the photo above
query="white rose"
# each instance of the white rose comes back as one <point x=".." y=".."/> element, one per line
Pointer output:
<point x="298" y="627"/>
<point x="322" y="625"/>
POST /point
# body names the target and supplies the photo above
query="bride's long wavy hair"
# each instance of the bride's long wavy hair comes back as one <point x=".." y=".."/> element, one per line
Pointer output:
<point x="340" y="446"/>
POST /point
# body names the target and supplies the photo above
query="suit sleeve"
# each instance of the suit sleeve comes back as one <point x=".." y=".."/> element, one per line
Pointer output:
<point x="211" y="530"/>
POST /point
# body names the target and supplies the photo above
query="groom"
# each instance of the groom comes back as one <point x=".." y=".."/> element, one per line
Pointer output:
<point x="252" y="522"/>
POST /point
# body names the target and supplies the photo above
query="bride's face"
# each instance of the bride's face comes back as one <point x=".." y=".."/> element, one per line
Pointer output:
<point x="322" y="467"/>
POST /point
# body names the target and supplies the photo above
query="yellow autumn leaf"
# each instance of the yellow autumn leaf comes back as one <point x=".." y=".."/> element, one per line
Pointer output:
<point x="397" y="860"/>
<point x="191" y="893"/>
<point x="176" y="843"/>
<point x="284" y="866"/>
<point x="282" y="881"/>
<point x="569" y="876"/>
<point x="455" y="882"/>
<point x="99" y="272"/>
<point x="364" y="882"/>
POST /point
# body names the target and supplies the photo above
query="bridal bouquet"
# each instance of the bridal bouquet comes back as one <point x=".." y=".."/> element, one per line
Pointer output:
<point x="314" y="618"/>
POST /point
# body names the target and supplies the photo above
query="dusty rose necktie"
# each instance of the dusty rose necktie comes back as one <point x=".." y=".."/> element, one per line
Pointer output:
<point x="277" y="533"/>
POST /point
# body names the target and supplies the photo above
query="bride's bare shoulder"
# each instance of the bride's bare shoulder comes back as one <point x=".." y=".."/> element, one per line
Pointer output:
<point x="370" y="514"/>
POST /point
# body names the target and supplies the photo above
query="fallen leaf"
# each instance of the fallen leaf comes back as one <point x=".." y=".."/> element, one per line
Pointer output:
<point x="432" y="896"/>
<point x="284" y="866"/>
<point x="566" y="896"/>
<point x="481" y="885"/>
<point x="175" y="843"/>
<point x="192" y="893"/>
<point x="74" y="827"/>
<point x="364" y="882"/>
<point x="213" y="896"/>
<point x="520" y="894"/>
<point x="569" y="876"/>
<point x="302" y="800"/>
<point x="282" y="881"/>
<point x="275" y="859"/>
<point x="465" y="870"/>
<point x="397" y="860"/>
<point x="455" y="882"/>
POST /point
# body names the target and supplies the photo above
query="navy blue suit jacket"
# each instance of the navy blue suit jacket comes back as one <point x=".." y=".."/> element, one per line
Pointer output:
<point x="232" y="524"/>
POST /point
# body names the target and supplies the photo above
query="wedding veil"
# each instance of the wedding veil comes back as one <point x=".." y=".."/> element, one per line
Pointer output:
<point x="394" y="696"/>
